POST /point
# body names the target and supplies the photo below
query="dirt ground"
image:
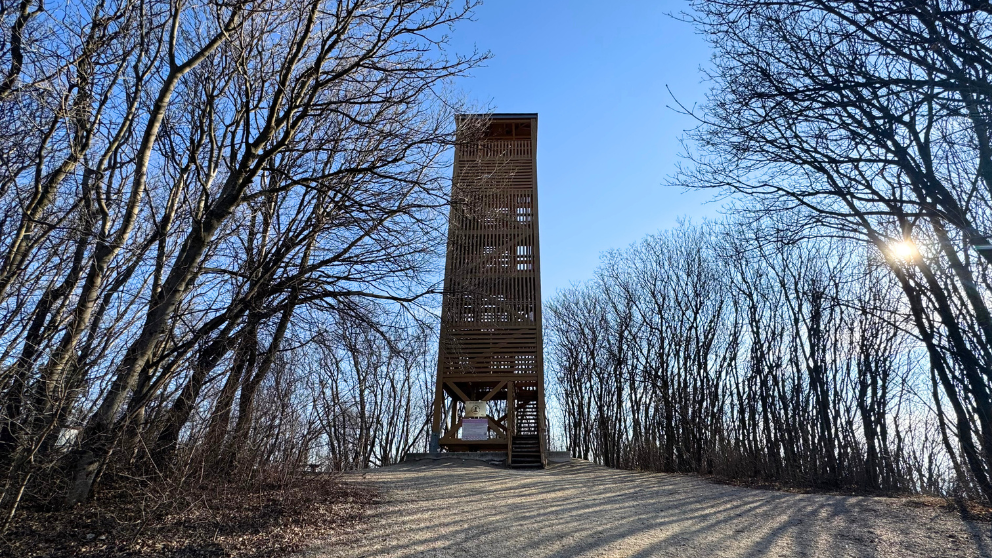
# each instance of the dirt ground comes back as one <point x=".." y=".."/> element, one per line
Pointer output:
<point x="454" y="509"/>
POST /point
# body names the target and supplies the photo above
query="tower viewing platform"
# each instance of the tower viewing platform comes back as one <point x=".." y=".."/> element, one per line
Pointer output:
<point x="489" y="392"/>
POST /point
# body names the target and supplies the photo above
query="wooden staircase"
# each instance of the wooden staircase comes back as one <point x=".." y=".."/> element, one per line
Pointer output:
<point x="526" y="442"/>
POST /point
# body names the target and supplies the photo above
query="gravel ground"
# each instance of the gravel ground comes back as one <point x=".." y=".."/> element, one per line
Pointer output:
<point x="451" y="509"/>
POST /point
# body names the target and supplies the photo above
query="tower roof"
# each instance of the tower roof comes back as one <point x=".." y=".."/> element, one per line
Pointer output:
<point x="500" y="115"/>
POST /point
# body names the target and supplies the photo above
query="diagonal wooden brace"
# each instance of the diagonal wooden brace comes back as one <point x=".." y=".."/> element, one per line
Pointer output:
<point x="458" y="392"/>
<point x="494" y="391"/>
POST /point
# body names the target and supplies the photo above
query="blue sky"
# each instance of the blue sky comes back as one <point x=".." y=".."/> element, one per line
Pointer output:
<point x="596" y="72"/>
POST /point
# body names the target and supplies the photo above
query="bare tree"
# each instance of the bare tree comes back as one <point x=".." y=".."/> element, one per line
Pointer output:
<point x="870" y="120"/>
<point x="181" y="183"/>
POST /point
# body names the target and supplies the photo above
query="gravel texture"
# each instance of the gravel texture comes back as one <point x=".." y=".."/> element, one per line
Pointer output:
<point x="454" y="509"/>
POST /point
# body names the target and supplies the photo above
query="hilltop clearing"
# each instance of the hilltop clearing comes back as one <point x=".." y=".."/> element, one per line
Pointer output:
<point x="451" y="509"/>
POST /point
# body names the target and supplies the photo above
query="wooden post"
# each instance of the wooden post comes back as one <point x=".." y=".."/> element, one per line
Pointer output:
<point x="511" y="421"/>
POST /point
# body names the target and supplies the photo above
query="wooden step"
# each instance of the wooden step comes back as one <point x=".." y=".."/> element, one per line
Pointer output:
<point x="526" y="444"/>
<point x="526" y="451"/>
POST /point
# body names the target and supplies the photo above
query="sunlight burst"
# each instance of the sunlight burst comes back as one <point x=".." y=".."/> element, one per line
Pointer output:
<point x="904" y="250"/>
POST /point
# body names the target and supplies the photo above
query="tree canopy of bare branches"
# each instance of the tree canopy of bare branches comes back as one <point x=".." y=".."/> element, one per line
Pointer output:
<point x="713" y="349"/>
<point x="870" y="120"/>
<point x="191" y="194"/>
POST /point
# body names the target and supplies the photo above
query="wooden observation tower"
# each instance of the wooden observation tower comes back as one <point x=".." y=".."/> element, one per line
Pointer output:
<point x="490" y="373"/>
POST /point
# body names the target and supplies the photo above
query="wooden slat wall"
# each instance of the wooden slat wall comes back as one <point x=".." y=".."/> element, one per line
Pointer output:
<point x="489" y="322"/>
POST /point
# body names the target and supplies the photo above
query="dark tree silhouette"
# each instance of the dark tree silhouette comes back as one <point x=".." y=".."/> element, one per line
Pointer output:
<point x="870" y="119"/>
<point x="190" y="194"/>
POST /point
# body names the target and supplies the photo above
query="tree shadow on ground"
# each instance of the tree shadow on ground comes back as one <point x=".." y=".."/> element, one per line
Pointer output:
<point x="579" y="509"/>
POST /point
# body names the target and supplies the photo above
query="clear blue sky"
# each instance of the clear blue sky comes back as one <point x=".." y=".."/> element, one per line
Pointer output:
<point x="596" y="72"/>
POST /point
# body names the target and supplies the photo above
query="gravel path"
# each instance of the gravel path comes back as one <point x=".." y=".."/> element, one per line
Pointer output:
<point x="450" y="509"/>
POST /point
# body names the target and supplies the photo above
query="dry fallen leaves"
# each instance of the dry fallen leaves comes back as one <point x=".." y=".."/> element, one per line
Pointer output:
<point x="216" y="519"/>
